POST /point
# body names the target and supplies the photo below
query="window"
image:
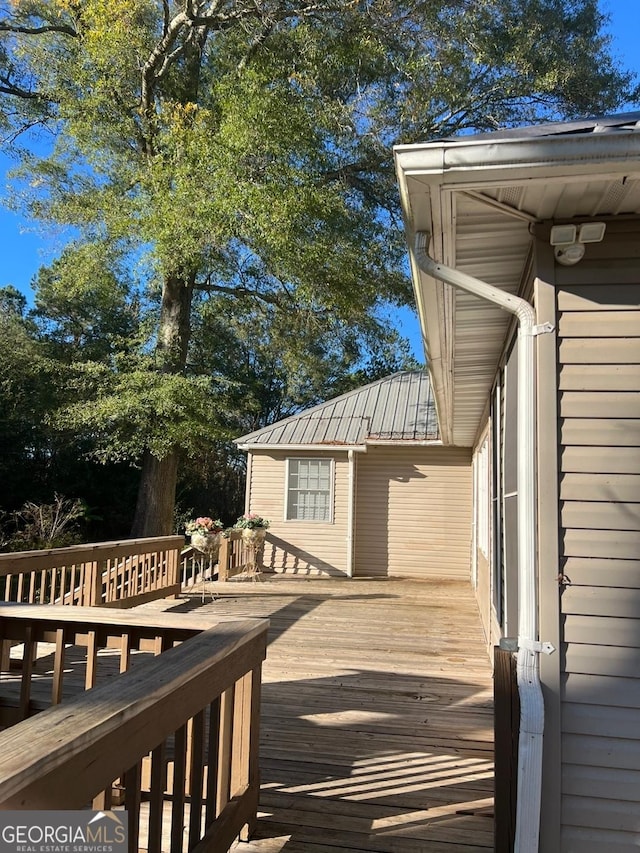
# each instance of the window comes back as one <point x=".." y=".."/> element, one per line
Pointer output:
<point x="309" y="489"/>
<point x="482" y="498"/>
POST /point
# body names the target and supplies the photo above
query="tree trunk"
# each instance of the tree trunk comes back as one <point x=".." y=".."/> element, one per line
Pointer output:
<point x="157" y="490"/>
<point x="156" y="496"/>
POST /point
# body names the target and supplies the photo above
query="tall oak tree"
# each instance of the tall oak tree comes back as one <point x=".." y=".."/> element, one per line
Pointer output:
<point x="243" y="148"/>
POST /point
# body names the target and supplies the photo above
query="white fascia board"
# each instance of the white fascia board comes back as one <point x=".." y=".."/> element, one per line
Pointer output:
<point x="432" y="321"/>
<point x="326" y="448"/>
<point x="421" y="211"/>
<point x="479" y="162"/>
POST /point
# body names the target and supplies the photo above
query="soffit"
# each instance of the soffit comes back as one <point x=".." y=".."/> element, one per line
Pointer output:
<point x="582" y="198"/>
<point x="483" y="237"/>
<point x="478" y="201"/>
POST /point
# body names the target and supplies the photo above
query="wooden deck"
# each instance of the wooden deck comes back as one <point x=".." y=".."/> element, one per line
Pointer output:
<point x="376" y="714"/>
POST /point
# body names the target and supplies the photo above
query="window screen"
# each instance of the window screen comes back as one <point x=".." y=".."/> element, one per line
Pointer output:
<point x="309" y="490"/>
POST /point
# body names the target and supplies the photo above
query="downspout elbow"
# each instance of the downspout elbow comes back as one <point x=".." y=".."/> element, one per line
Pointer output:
<point x="508" y="301"/>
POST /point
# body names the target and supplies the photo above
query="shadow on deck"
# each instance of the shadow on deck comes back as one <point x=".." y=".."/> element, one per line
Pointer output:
<point x="377" y="719"/>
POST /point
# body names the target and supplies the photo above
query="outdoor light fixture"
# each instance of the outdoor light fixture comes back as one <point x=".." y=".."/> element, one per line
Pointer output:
<point x="568" y="240"/>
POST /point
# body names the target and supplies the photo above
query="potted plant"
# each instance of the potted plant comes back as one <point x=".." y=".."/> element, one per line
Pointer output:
<point x="205" y="533"/>
<point x="253" y="527"/>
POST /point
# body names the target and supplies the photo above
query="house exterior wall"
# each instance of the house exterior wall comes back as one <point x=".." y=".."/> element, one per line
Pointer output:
<point x="413" y="512"/>
<point x="299" y="547"/>
<point x="589" y="543"/>
<point x="599" y="490"/>
<point x="588" y="446"/>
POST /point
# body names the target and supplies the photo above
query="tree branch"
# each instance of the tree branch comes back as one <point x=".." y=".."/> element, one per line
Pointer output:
<point x="208" y="287"/>
<point x="166" y="16"/>
<point x="267" y="28"/>
<point x="157" y="57"/>
<point x="194" y="17"/>
<point x="7" y="140"/>
<point x="8" y="88"/>
<point x="63" y="29"/>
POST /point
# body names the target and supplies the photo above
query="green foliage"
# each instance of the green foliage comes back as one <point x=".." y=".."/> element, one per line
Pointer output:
<point x="139" y="410"/>
<point x="234" y="160"/>
<point x="27" y="392"/>
<point x="279" y="362"/>
<point x="39" y="526"/>
<point x="36" y="460"/>
<point x="265" y="132"/>
<point x="84" y="304"/>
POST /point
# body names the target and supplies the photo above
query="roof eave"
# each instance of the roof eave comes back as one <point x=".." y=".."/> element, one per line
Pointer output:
<point x="430" y="173"/>
<point x="428" y="292"/>
<point x="298" y="448"/>
<point x="452" y="162"/>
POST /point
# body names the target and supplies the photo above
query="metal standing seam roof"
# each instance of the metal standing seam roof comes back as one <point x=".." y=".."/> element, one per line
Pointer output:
<point x="591" y="124"/>
<point x="399" y="407"/>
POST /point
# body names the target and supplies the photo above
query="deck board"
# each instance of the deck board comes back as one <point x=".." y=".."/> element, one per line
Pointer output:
<point x="377" y="726"/>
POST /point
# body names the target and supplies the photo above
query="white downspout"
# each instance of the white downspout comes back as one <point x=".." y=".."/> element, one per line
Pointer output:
<point x="528" y="674"/>
<point x="247" y="490"/>
<point x="351" y="498"/>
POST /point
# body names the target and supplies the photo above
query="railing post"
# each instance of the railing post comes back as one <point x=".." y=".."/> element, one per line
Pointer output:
<point x="223" y="559"/>
<point x="252" y="733"/>
<point x="173" y="568"/>
<point x="97" y="569"/>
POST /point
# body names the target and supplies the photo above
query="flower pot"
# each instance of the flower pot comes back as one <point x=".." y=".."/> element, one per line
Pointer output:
<point x="207" y="543"/>
<point x="254" y="536"/>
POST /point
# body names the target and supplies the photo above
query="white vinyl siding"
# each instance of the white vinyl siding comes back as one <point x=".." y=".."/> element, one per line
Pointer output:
<point x="309" y="489"/>
<point x="599" y="404"/>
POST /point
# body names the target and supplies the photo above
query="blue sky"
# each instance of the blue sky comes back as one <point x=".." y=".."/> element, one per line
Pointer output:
<point x="23" y="249"/>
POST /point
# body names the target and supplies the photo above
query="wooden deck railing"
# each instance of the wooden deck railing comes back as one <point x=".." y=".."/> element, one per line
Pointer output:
<point x="108" y="574"/>
<point x="196" y="567"/>
<point x="233" y="555"/>
<point x="174" y="738"/>
<point x="234" y="558"/>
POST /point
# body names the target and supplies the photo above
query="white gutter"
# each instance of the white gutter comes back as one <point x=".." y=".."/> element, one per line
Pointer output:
<point x="324" y="448"/>
<point x="464" y="162"/>
<point x="528" y="674"/>
<point x="404" y="442"/>
<point x="351" y="505"/>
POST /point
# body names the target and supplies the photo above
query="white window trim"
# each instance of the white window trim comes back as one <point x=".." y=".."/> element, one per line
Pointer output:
<point x="332" y="483"/>
<point x="483" y="499"/>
